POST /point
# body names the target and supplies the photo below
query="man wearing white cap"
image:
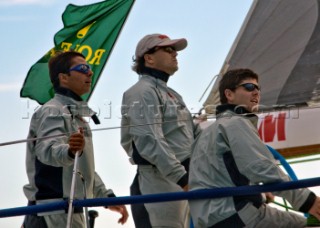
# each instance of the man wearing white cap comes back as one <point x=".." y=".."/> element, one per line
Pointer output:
<point x="157" y="132"/>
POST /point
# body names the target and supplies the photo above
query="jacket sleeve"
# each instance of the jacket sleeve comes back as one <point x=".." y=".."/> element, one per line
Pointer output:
<point x="52" y="151"/>
<point x="196" y="129"/>
<point x="144" y="114"/>
<point x="99" y="189"/>
<point x="256" y="162"/>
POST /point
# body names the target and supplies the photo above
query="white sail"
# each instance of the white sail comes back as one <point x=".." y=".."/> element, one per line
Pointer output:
<point x="279" y="40"/>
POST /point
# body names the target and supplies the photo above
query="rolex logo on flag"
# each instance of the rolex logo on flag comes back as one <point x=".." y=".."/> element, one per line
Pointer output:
<point x="90" y="29"/>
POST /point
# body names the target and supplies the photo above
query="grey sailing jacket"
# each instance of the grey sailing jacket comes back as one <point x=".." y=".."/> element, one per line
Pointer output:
<point x="48" y="163"/>
<point x="157" y="127"/>
<point x="229" y="153"/>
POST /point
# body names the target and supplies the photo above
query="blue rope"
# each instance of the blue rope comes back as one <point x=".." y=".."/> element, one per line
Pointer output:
<point x="288" y="169"/>
<point x="283" y="162"/>
<point x="173" y="196"/>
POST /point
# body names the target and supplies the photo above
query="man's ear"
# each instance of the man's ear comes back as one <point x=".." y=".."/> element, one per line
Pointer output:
<point x="229" y="94"/>
<point x="148" y="58"/>
<point x="63" y="78"/>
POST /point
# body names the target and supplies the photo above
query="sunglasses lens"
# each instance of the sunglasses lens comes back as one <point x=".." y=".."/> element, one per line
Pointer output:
<point x="169" y="49"/>
<point x="82" y="68"/>
<point x="250" y="87"/>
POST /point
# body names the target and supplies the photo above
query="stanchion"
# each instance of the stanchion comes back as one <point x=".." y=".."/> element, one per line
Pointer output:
<point x="92" y="216"/>
<point x="86" y="215"/>
<point x="73" y="186"/>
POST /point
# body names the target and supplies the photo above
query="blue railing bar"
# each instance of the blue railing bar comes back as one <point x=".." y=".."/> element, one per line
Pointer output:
<point x="173" y="196"/>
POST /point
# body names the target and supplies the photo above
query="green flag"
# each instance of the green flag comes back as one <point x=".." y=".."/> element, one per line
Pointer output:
<point x="90" y="29"/>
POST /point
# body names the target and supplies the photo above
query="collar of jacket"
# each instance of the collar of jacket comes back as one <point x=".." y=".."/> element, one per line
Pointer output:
<point x="237" y="109"/>
<point x="76" y="105"/>
<point x="228" y="109"/>
<point x="68" y="93"/>
<point x="156" y="74"/>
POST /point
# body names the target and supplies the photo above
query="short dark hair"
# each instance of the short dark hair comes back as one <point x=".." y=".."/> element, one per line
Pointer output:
<point x="232" y="78"/>
<point x="61" y="63"/>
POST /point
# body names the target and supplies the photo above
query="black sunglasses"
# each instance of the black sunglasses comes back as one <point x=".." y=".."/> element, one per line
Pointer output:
<point x="168" y="49"/>
<point x="249" y="87"/>
<point x="82" y="68"/>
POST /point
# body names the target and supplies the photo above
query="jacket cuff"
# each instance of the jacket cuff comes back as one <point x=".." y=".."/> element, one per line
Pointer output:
<point x="308" y="203"/>
<point x="71" y="155"/>
<point x="110" y="195"/>
<point x="183" y="180"/>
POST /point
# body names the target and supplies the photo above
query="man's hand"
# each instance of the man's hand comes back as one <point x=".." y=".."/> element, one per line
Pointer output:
<point x="269" y="197"/>
<point x="186" y="188"/>
<point x="315" y="209"/>
<point x="122" y="210"/>
<point x="76" y="142"/>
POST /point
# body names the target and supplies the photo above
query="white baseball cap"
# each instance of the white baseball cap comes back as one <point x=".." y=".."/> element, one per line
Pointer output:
<point x="159" y="40"/>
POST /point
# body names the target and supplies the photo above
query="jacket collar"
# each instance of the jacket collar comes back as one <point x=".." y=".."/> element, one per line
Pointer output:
<point x="237" y="109"/>
<point x="75" y="104"/>
<point x="68" y="93"/>
<point x="156" y="74"/>
<point x="229" y="110"/>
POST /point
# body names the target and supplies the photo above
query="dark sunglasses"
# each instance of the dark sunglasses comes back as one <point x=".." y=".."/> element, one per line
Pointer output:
<point x="82" y="68"/>
<point x="249" y="87"/>
<point x="167" y="49"/>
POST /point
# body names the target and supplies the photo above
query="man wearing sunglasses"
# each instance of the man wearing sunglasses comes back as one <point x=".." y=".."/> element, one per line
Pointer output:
<point x="50" y="161"/>
<point x="157" y="132"/>
<point x="229" y="153"/>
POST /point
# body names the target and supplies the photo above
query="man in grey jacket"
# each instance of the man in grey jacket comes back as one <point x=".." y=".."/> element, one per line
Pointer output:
<point x="157" y="132"/>
<point x="50" y="161"/>
<point x="229" y="153"/>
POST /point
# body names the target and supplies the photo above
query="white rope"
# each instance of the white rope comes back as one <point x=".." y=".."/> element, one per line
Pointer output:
<point x="64" y="134"/>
